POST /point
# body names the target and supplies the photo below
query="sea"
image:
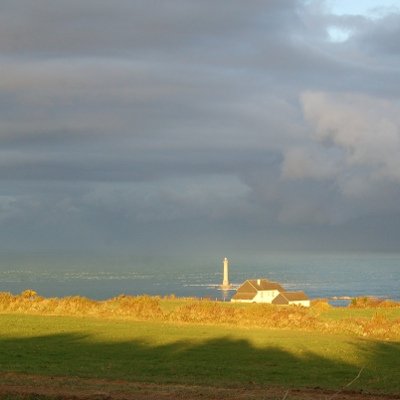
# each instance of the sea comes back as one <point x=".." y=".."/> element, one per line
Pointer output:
<point x="337" y="277"/>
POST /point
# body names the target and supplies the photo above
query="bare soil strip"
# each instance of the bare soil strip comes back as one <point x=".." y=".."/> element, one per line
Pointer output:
<point x="98" y="389"/>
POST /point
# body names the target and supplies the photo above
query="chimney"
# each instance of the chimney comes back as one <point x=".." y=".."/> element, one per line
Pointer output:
<point x="258" y="282"/>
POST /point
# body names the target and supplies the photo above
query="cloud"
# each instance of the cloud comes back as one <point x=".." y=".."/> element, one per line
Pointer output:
<point x="366" y="128"/>
<point x="129" y="27"/>
<point x="347" y="166"/>
<point x="209" y="197"/>
<point x="310" y="162"/>
<point x="378" y="38"/>
<point x="123" y="118"/>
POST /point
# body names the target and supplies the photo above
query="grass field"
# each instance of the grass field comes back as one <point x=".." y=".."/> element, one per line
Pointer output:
<point x="165" y="352"/>
<point x="340" y="313"/>
<point x="157" y="341"/>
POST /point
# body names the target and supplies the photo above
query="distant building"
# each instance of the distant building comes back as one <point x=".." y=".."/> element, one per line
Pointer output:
<point x="225" y="281"/>
<point x="265" y="291"/>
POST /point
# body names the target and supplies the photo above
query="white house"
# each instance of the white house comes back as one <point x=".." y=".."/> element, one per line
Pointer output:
<point x="265" y="291"/>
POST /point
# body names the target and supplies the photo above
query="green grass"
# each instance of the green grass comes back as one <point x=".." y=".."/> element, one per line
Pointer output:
<point x="194" y="354"/>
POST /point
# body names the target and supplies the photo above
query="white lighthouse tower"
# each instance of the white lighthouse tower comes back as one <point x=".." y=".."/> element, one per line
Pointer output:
<point x="225" y="281"/>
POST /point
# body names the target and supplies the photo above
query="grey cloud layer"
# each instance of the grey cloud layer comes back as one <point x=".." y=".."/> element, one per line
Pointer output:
<point x="121" y="115"/>
<point x="98" y="27"/>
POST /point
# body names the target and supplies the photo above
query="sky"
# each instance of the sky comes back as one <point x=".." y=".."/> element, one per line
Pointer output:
<point x="199" y="128"/>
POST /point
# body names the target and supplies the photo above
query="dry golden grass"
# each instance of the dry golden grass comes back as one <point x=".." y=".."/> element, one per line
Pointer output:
<point x="372" y="302"/>
<point x="320" y="305"/>
<point x="195" y="311"/>
<point x="138" y="307"/>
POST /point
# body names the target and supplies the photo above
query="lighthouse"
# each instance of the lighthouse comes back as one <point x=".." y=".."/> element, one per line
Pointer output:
<point x="225" y="281"/>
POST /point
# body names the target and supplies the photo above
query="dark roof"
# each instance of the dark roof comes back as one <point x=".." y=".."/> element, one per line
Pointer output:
<point x="247" y="287"/>
<point x="265" y="284"/>
<point x="287" y="297"/>
<point x="280" y="299"/>
<point x="295" y="296"/>
<point x="243" y="296"/>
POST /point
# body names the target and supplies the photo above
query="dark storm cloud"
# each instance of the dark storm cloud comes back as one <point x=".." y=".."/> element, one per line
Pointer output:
<point x="133" y="116"/>
<point x="98" y="27"/>
<point x="130" y="166"/>
<point x="379" y="38"/>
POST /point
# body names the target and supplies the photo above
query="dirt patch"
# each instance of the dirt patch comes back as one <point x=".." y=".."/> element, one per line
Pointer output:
<point x="63" y="388"/>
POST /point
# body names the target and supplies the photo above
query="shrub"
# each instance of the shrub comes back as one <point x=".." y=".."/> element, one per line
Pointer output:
<point x="257" y="315"/>
<point x="203" y="311"/>
<point x="142" y="307"/>
<point x="365" y="302"/>
<point x="320" y="305"/>
<point x="28" y="294"/>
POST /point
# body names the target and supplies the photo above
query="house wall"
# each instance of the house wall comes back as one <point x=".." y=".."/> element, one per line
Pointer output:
<point x="241" y="301"/>
<point x="265" y="296"/>
<point x="304" y="303"/>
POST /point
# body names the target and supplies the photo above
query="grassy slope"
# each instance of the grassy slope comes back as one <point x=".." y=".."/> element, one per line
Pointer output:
<point x="194" y="354"/>
<point x="339" y="313"/>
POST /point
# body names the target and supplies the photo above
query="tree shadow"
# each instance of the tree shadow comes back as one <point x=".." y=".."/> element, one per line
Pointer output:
<point x="222" y="361"/>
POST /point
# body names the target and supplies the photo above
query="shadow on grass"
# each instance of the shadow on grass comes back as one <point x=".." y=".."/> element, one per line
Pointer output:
<point x="221" y="361"/>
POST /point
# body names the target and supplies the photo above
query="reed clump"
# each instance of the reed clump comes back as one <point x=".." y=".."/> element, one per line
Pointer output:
<point x="142" y="307"/>
<point x="256" y="315"/>
<point x="373" y="302"/>
<point x="204" y="311"/>
<point x="271" y="316"/>
<point x="75" y="305"/>
<point x="137" y="307"/>
<point x="320" y="305"/>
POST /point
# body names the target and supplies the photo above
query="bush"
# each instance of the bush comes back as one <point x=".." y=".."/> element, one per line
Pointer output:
<point x="28" y="294"/>
<point x="372" y="302"/>
<point x="141" y="307"/>
<point x="364" y="302"/>
<point x="256" y="315"/>
<point x="320" y="305"/>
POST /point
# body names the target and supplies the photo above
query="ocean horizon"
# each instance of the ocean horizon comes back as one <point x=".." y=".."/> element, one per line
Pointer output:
<point x="324" y="275"/>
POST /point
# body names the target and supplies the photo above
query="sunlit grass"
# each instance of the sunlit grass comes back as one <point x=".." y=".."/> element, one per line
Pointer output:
<point x="364" y="320"/>
<point x="338" y="313"/>
<point x="193" y="354"/>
